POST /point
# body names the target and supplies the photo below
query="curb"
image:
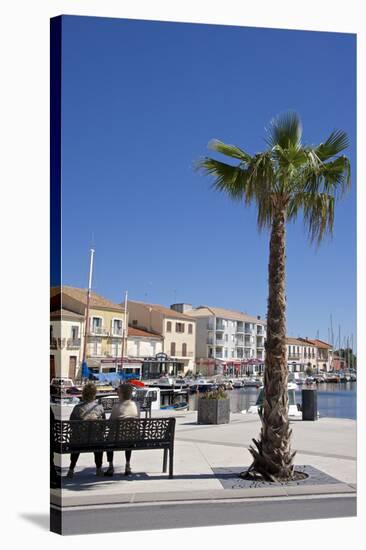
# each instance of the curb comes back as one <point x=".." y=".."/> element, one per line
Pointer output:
<point x="65" y="501"/>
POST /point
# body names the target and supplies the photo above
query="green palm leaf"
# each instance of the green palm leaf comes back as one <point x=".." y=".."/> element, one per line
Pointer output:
<point x="335" y="144"/>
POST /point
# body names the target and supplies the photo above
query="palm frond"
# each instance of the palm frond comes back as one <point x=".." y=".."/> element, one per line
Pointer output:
<point x="288" y="175"/>
<point x="335" y="144"/>
<point x="329" y="177"/>
<point x="318" y="212"/>
<point x="227" y="178"/>
<point x="229" y="150"/>
<point x="284" y="130"/>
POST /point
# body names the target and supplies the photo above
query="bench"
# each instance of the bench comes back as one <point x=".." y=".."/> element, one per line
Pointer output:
<point x="126" y="434"/>
<point x="141" y="398"/>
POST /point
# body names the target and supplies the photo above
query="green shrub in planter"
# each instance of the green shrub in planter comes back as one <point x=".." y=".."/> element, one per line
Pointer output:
<point x="214" y="407"/>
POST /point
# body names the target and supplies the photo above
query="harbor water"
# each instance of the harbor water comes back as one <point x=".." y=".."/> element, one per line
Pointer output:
<point x="334" y="400"/>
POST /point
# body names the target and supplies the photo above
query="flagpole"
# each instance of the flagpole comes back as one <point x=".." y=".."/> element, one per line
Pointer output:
<point x="124" y="332"/>
<point x="86" y="328"/>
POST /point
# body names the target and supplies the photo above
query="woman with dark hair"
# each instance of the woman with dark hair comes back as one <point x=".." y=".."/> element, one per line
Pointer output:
<point x="125" y="408"/>
<point x="88" y="409"/>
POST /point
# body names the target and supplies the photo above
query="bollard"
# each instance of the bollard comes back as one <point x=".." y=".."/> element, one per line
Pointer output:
<point x="309" y="405"/>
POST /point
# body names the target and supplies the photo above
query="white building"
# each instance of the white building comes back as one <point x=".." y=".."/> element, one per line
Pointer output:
<point x="141" y="343"/>
<point x="224" y="336"/>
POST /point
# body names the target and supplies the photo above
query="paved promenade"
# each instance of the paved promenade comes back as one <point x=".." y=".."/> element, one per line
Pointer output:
<point x="207" y="460"/>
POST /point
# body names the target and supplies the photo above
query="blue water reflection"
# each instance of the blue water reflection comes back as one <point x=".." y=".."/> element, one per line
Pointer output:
<point x="334" y="400"/>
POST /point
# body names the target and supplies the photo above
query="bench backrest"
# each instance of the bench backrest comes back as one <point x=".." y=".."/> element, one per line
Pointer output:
<point x="108" y="434"/>
<point x="142" y="399"/>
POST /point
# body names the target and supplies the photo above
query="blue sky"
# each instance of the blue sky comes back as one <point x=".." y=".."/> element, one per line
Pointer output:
<point x="140" y="102"/>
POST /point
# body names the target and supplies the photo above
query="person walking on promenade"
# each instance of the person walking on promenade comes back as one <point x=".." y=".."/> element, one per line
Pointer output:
<point x="125" y="408"/>
<point x="88" y="409"/>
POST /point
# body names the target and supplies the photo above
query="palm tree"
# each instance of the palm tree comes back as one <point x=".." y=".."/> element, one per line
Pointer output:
<point x="286" y="179"/>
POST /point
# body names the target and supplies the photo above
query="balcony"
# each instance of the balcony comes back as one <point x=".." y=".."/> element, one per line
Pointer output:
<point x="294" y="356"/>
<point x="220" y="342"/>
<point x="220" y="325"/>
<point x="239" y="328"/>
<point x="116" y="332"/>
<point x="99" y="331"/>
<point x="239" y="343"/>
<point x="73" y="343"/>
<point x="53" y="343"/>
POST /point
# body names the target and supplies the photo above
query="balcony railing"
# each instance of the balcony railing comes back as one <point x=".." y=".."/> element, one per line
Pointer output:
<point x="295" y="356"/>
<point x="73" y="343"/>
<point x="116" y="332"/>
<point x="240" y="328"/>
<point x="100" y="331"/>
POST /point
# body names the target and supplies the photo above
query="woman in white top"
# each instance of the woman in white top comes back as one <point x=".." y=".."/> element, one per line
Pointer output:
<point x="125" y="408"/>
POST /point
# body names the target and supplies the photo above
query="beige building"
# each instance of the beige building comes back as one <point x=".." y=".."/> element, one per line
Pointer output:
<point x="105" y="329"/>
<point x="66" y="329"/>
<point x="301" y="354"/>
<point x="177" y="330"/>
<point x="324" y="354"/>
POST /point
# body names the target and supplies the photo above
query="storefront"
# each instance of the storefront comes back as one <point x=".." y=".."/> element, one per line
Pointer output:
<point x="161" y="365"/>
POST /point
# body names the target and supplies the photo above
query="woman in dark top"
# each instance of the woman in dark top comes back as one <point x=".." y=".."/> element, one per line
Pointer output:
<point x="88" y="409"/>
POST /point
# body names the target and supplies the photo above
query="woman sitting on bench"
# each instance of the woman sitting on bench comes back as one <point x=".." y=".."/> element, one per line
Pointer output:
<point x="88" y="409"/>
<point x="126" y="408"/>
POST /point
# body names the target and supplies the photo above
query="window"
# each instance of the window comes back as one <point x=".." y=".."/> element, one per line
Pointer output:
<point x="134" y="322"/>
<point x="117" y="327"/>
<point x="172" y="349"/>
<point x="184" y="350"/>
<point x="179" y="327"/>
<point x="226" y="337"/>
<point x="75" y="332"/>
<point x="96" y="325"/>
<point x="190" y="328"/>
<point x="169" y="326"/>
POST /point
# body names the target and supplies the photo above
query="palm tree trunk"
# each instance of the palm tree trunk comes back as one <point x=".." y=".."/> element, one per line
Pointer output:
<point x="272" y="456"/>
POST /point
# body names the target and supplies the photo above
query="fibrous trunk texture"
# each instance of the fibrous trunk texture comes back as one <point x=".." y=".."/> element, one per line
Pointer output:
<point x="273" y="458"/>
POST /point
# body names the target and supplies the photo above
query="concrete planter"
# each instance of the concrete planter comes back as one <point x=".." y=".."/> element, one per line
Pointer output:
<point x="213" y="411"/>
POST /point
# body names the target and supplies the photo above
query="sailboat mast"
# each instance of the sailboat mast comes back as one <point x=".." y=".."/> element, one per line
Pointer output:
<point x="124" y="331"/>
<point x="86" y="328"/>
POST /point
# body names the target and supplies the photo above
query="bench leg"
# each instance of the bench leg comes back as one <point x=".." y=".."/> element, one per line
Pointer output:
<point x="165" y="460"/>
<point x="171" y="458"/>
